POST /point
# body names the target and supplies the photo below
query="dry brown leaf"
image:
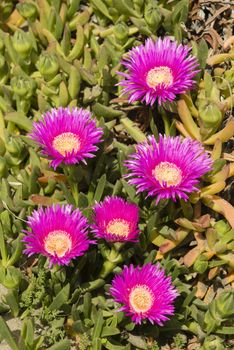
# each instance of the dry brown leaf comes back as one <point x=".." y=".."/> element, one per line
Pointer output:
<point x="213" y="38"/>
<point x="209" y="295"/>
<point x="229" y="279"/>
<point x="42" y="200"/>
<point x="213" y="272"/>
<point x="229" y="42"/>
<point x="204" y="221"/>
<point x="191" y="256"/>
<point x="52" y="175"/>
<point x="221" y="206"/>
<point x="201" y="290"/>
<point x="15" y="19"/>
<point x="167" y="246"/>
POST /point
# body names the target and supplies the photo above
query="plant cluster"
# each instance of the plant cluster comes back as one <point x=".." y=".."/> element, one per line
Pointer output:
<point x="116" y="216"/>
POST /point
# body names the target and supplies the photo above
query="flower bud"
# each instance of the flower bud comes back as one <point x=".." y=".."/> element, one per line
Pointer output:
<point x="10" y="277"/>
<point x="121" y="31"/>
<point x="229" y="75"/>
<point x="138" y="4"/>
<point x="114" y="13"/>
<point x="22" y="86"/>
<point x="15" y="147"/>
<point x="22" y="43"/>
<point x="210" y="115"/>
<point x="48" y="65"/>
<point x="222" y="227"/>
<point x="213" y="342"/>
<point x="27" y="10"/>
<point x="6" y="8"/>
<point x="152" y="16"/>
<point x="201" y="264"/>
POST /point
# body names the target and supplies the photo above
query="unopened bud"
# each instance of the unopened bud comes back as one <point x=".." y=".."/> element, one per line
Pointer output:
<point x="201" y="264"/>
<point x="15" y="147"/>
<point x="229" y="75"/>
<point x="121" y="31"/>
<point x="48" y="65"/>
<point x="22" y="43"/>
<point x="27" y="10"/>
<point x="6" y="8"/>
<point x="152" y="16"/>
<point x="213" y="342"/>
<point x="11" y="277"/>
<point x="222" y="227"/>
<point x="23" y="86"/>
<point x="210" y="115"/>
<point x="138" y="4"/>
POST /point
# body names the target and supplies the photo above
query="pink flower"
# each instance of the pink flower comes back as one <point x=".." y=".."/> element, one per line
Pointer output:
<point x="145" y="292"/>
<point x="58" y="233"/>
<point x="168" y="168"/>
<point x="158" y="70"/>
<point x="116" y="220"/>
<point x="67" y="136"/>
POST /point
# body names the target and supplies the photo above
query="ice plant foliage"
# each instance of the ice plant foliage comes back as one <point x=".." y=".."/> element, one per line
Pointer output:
<point x="158" y="70"/>
<point x="145" y="292"/>
<point x="57" y="232"/>
<point x="116" y="220"/>
<point x="67" y="136"/>
<point x="168" y="168"/>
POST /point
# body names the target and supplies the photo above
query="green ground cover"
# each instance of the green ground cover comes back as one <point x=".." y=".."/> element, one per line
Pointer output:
<point x="56" y="53"/>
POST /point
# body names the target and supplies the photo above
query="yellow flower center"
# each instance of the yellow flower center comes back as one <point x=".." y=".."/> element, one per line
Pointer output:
<point x="66" y="143"/>
<point x="141" y="298"/>
<point x="158" y="76"/>
<point x="167" y="172"/>
<point x="118" y="227"/>
<point x="58" y="243"/>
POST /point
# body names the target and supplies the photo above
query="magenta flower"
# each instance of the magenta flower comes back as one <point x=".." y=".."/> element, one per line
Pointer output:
<point x="58" y="233"/>
<point x="116" y="220"/>
<point x="158" y="70"/>
<point x="67" y="136"/>
<point x="145" y="292"/>
<point x="168" y="168"/>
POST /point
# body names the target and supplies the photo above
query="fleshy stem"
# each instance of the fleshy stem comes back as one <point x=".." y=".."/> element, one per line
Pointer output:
<point x="166" y="123"/>
<point x="69" y="171"/>
<point x="113" y="258"/>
